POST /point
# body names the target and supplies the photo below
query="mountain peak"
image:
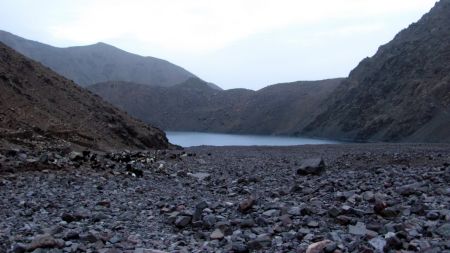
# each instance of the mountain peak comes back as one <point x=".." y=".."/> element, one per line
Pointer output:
<point x="99" y="62"/>
<point x="102" y="44"/>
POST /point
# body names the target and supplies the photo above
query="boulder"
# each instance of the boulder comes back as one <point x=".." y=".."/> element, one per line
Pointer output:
<point x="312" y="166"/>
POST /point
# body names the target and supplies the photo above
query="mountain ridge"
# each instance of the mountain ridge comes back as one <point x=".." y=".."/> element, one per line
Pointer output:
<point x="99" y="62"/>
<point x="193" y="106"/>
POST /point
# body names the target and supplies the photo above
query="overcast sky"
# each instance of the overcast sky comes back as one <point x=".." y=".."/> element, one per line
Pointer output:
<point x="233" y="43"/>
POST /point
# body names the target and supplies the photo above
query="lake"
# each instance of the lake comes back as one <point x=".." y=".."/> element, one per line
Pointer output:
<point x="189" y="139"/>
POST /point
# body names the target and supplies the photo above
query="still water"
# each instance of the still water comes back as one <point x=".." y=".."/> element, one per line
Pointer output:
<point x="189" y="139"/>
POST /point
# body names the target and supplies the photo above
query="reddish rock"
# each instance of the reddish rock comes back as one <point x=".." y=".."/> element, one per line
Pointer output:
<point x="318" y="247"/>
<point x="247" y="204"/>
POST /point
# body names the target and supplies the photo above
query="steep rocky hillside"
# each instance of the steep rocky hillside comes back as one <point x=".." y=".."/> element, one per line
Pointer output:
<point x="99" y="63"/>
<point x="193" y="106"/>
<point x="287" y="107"/>
<point x="36" y="103"/>
<point x="400" y="94"/>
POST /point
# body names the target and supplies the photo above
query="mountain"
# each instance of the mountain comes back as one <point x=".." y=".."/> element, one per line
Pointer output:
<point x="40" y="104"/>
<point x="194" y="106"/>
<point x="402" y="93"/>
<point x="99" y="63"/>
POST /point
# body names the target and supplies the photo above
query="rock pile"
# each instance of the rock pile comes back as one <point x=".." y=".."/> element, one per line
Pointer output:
<point x="252" y="200"/>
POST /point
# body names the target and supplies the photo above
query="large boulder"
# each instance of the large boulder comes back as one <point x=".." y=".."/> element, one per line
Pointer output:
<point x="312" y="166"/>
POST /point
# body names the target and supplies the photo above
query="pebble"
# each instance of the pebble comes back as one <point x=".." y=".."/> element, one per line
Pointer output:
<point x="318" y="247"/>
<point x="239" y="247"/>
<point x="247" y="204"/>
<point x="201" y="176"/>
<point x="444" y="230"/>
<point x="313" y="224"/>
<point x="378" y="244"/>
<point x="217" y="234"/>
<point x="433" y="215"/>
<point x="294" y="210"/>
<point x="262" y="241"/>
<point x="358" y="229"/>
<point x="182" y="221"/>
<point x="45" y="241"/>
<point x="271" y="213"/>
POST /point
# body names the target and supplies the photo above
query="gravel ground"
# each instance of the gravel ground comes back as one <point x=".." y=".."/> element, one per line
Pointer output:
<point x="349" y="198"/>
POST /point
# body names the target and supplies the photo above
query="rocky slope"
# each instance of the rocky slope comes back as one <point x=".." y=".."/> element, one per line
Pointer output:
<point x="37" y="106"/>
<point x="99" y="63"/>
<point x="400" y="94"/>
<point x="369" y="198"/>
<point x="193" y="106"/>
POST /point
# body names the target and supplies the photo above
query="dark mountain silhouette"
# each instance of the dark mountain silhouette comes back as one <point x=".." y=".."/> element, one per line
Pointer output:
<point x="194" y="106"/>
<point x="400" y="94"/>
<point x="99" y="63"/>
<point x="35" y="101"/>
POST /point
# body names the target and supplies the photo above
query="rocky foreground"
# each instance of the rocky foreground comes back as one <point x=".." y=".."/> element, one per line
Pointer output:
<point x="359" y="198"/>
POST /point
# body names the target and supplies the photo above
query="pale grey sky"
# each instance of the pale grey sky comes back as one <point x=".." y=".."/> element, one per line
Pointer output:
<point x="233" y="43"/>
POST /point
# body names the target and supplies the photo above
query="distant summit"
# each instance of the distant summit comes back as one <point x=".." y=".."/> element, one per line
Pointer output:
<point x="99" y="62"/>
<point x="400" y="94"/>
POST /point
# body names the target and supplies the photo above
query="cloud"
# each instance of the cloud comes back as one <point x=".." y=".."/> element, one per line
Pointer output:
<point x="208" y="25"/>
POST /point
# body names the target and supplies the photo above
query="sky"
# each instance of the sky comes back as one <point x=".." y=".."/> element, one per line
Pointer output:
<point x="232" y="43"/>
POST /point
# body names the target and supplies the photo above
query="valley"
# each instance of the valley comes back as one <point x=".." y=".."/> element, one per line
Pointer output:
<point x="344" y="165"/>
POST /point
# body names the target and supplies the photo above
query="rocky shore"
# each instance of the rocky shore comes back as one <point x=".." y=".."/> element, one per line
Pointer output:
<point x="324" y="198"/>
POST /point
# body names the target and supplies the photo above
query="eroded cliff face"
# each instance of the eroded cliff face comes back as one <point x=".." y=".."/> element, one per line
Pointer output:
<point x="402" y="93"/>
<point x="37" y="102"/>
